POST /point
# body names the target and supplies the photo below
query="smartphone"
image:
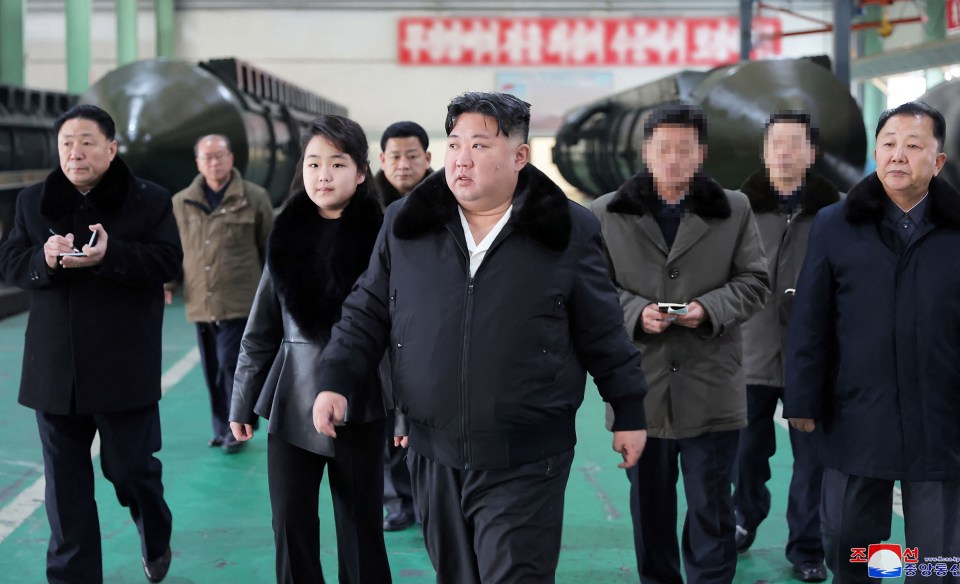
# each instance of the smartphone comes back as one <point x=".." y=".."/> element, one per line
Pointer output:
<point x="672" y="307"/>
<point x="91" y="243"/>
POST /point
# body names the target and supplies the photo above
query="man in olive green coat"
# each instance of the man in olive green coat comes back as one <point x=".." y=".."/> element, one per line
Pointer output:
<point x="675" y="236"/>
<point x="224" y="222"/>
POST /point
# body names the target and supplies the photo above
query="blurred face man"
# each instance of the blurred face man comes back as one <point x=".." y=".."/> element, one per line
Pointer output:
<point x="482" y="163"/>
<point x="85" y="152"/>
<point x="404" y="162"/>
<point x="787" y="154"/>
<point x="907" y="156"/>
<point x="673" y="154"/>
<point x="214" y="161"/>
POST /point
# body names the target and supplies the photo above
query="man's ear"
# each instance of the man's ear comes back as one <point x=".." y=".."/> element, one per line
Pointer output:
<point x="426" y="154"/>
<point x="521" y="157"/>
<point x="941" y="160"/>
<point x="113" y="150"/>
<point x="383" y="159"/>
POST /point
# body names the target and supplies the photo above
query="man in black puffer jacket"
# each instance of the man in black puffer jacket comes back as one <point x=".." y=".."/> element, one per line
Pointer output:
<point x="491" y="289"/>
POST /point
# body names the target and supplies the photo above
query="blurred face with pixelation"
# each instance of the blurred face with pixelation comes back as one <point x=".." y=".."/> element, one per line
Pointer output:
<point x="673" y="154"/>
<point x="330" y="176"/>
<point x="214" y="160"/>
<point x="85" y="152"/>
<point x="787" y="152"/>
<point x="482" y="163"/>
<point x="907" y="155"/>
<point x="404" y="162"/>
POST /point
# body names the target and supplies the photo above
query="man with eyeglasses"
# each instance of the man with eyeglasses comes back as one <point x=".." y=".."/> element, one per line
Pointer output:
<point x="224" y="222"/>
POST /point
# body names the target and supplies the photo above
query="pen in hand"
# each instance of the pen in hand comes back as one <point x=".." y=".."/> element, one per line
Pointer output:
<point x="52" y="232"/>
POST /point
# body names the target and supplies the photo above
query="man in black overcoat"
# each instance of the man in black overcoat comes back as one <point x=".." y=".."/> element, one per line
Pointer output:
<point x="91" y="360"/>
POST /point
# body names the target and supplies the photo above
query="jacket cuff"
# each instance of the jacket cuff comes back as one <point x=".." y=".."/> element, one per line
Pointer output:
<point x="629" y="414"/>
<point x="337" y="379"/>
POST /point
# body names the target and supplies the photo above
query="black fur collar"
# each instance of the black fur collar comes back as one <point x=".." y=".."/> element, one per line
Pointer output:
<point x="60" y="197"/>
<point x="816" y="193"/>
<point x="638" y="196"/>
<point x="540" y="209"/>
<point x="388" y="193"/>
<point x="315" y="261"/>
<point x="866" y="201"/>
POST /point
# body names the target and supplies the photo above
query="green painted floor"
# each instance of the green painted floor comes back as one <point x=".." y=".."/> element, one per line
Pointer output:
<point x="221" y="509"/>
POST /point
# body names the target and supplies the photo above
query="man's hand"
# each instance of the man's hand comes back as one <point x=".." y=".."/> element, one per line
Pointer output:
<point x="401" y="441"/>
<point x="694" y="317"/>
<point x="629" y="443"/>
<point x="167" y="296"/>
<point x="652" y="320"/>
<point x="56" y="245"/>
<point x="802" y="424"/>
<point x="94" y="255"/>
<point x="328" y="411"/>
<point x="241" y="432"/>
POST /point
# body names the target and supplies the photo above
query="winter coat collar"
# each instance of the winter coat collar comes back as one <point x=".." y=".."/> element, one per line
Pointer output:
<point x="59" y="196"/>
<point x="314" y="269"/>
<point x="387" y="192"/>
<point x="816" y="192"/>
<point x="233" y="196"/>
<point x="638" y="196"/>
<point x="540" y="209"/>
<point x="865" y="202"/>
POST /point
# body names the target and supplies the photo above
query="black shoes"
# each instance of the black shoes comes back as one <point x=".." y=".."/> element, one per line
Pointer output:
<point x="398" y="521"/>
<point x="810" y="571"/>
<point x="228" y="443"/>
<point x="744" y="539"/>
<point x="156" y="570"/>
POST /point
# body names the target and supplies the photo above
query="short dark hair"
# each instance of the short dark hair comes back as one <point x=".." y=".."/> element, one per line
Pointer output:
<point x="795" y="117"/>
<point x="512" y="113"/>
<point x="676" y="113"/>
<point x="342" y="132"/>
<point x="404" y="130"/>
<point x="917" y="108"/>
<point x="88" y="112"/>
<point x="196" y="145"/>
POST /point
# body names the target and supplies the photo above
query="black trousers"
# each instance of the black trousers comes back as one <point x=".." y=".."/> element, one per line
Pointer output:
<point x="219" y="345"/>
<point x="856" y="512"/>
<point x="709" y="547"/>
<point x="397" y="486"/>
<point x="128" y="441"/>
<point x="751" y="497"/>
<point x="356" y="484"/>
<point x="499" y="526"/>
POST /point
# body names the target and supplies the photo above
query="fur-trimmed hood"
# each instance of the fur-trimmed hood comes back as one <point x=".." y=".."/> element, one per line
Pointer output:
<point x="315" y="261"/>
<point x="540" y="209"/>
<point x="816" y="192"/>
<point x="60" y="197"/>
<point x="387" y="193"/>
<point x="638" y="196"/>
<point x="866" y="201"/>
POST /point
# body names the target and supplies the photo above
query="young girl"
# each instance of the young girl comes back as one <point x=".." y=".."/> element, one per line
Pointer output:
<point x="320" y="244"/>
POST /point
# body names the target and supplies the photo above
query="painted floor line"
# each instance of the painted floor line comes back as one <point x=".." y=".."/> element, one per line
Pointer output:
<point x="897" y="495"/>
<point x="25" y="503"/>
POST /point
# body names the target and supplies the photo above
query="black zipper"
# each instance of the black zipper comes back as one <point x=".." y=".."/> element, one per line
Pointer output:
<point x="464" y="377"/>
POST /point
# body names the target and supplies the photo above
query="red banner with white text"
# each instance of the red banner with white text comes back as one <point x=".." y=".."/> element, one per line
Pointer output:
<point x="581" y="41"/>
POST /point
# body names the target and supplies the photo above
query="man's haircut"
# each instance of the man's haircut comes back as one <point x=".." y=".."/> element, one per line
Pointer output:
<point x="512" y="113"/>
<point x="88" y="112"/>
<point x="404" y="130"/>
<point x="794" y="117"/>
<point x="917" y="108"/>
<point x="196" y="145"/>
<point x="676" y="113"/>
